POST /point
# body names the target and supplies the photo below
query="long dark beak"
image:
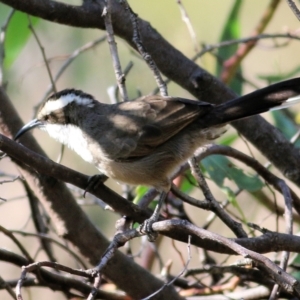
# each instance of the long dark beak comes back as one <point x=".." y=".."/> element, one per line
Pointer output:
<point x="32" y="124"/>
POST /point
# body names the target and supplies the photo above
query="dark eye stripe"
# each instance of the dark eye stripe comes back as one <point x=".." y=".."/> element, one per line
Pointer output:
<point x="57" y="117"/>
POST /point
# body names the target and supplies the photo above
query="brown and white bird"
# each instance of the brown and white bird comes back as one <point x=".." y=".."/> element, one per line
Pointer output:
<point x="144" y="141"/>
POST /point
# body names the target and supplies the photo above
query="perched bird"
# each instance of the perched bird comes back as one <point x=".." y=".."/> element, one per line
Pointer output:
<point x="145" y="141"/>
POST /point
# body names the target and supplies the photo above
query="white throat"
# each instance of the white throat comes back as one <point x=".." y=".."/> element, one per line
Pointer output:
<point x="71" y="136"/>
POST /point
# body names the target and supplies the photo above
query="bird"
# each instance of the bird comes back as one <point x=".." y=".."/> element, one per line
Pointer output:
<point x="144" y="141"/>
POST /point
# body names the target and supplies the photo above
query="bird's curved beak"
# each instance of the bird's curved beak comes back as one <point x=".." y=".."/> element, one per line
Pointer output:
<point x="30" y="125"/>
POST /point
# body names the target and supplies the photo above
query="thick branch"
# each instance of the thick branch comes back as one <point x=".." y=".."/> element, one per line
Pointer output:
<point x="266" y="243"/>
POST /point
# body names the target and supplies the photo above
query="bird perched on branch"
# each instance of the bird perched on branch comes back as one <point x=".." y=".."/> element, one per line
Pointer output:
<point x="145" y="141"/>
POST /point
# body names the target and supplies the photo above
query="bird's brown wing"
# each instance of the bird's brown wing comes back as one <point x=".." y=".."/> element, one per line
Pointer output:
<point x="152" y="120"/>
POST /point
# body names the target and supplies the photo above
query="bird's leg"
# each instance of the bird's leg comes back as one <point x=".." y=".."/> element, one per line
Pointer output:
<point x="146" y="227"/>
<point x="94" y="181"/>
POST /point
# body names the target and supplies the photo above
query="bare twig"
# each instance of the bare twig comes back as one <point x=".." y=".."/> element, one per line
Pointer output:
<point x="289" y="229"/>
<point x="187" y="21"/>
<point x="231" y="64"/>
<point x="34" y="266"/>
<point x="203" y="204"/>
<point x="67" y="63"/>
<point x="16" y="241"/>
<point x="2" y="41"/>
<point x="43" y="52"/>
<point x="48" y="279"/>
<point x="114" y="90"/>
<point x="209" y="48"/>
<point x="148" y="198"/>
<point x="233" y="225"/>
<point x="119" y="240"/>
<point x="114" y="51"/>
<point x="294" y="8"/>
<point x="179" y="275"/>
<point x="10" y="180"/>
<point x="286" y="281"/>
<point x="143" y="51"/>
<point x="52" y="240"/>
<point x="8" y="288"/>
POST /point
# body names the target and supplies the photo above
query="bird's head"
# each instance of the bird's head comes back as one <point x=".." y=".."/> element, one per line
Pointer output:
<point x="58" y="112"/>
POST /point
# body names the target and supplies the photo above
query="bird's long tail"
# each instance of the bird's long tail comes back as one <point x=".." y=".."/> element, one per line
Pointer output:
<point x="277" y="96"/>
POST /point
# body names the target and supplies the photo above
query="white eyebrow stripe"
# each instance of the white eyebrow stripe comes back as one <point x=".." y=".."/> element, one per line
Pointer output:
<point x="63" y="101"/>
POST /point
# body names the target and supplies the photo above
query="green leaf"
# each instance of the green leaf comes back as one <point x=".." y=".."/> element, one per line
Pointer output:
<point x="16" y="36"/>
<point x="231" y="28"/>
<point x="231" y="31"/>
<point x="232" y="199"/>
<point x="285" y="124"/>
<point x="220" y="167"/>
<point x="215" y="166"/>
<point x="228" y="139"/>
<point x="188" y="183"/>
<point x="140" y="191"/>
<point x="247" y="182"/>
<point x="296" y="259"/>
<point x="296" y="262"/>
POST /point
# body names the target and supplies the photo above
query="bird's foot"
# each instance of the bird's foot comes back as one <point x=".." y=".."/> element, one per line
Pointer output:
<point x="146" y="228"/>
<point x="94" y="181"/>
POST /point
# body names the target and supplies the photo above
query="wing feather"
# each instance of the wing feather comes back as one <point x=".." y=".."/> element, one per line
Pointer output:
<point x="153" y="120"/>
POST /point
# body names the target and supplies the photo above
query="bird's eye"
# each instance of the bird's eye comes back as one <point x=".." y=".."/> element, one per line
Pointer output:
<point x="67" y="119"/>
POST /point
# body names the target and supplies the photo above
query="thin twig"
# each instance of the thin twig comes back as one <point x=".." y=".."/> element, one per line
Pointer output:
<point x="67" y="63"/>
<point x="203" y="204"/>
<point x="2" y="42"/>
<point x="260" y="169"/>
<point x="179" y="275"/>
<point x="232" y="224"/>
<point x="10" y="180"/>
<point x="146" y="56"/>
<point x="114" y="90"/>
<point x="289" y="230"/>
<point x="16" y="241"/>
<point x="294" y="8"/>
<point x="114" y="51"/>
<point x="8" y="288"/>
<point x="231" y="64"/>
<point x="185" y="18"/>
<point x="148" y="198"/>
<point x="43" y="52"/>
<point x="37" y="265"/>
<point x="286" y="281"/>
<point x="52" y="240"/>
<point x="119" y="240"/>
<point x="209" y="48"/>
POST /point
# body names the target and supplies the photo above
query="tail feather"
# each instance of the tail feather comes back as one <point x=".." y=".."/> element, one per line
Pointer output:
<point x="277" y="96"/>
<point x="289" y="102"/>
